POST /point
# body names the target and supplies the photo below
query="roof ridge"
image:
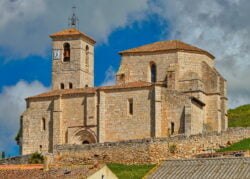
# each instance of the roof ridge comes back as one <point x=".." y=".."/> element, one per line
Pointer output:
<point x="166" y="46"/>
<point x="71" y="32"/>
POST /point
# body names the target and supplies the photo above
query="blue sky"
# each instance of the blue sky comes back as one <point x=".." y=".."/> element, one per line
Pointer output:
<point x="219" y="26"/>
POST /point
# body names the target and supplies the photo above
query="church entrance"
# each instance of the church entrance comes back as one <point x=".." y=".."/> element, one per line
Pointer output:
<point x="85" y="142"/>
<point x="84" y="136"/>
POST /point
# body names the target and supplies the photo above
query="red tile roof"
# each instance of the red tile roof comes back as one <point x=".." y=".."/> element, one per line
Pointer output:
<point x="90" y="89"/>
<point x="72" y="32"/>
<point x="166" y="46"/>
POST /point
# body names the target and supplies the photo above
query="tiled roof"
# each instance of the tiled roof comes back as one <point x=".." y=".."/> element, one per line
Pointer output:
<point x="166" y="46"/>
<point x="72" y="32"/>
<point x="90" y="89"/>
<point x="222" y="168"/>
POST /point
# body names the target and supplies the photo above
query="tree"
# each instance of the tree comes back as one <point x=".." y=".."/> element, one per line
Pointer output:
<point x="3" y="155"/>
<point x="17" y="138"/>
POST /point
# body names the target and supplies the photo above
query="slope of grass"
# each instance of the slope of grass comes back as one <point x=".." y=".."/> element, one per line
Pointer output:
<point x="242" y="145"/>
<point x="239" y="117"/>
<point x="130" y="171"/>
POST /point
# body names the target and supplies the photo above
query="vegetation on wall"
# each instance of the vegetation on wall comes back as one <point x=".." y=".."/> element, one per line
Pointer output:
<point x="130" y="171"/>
<point x="239" y="117"/>
<point x="36" y="158"/>
<point x="172" y="148"/>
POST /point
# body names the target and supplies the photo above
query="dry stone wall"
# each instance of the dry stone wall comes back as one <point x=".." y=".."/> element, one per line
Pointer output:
<point x="152" y="150"/>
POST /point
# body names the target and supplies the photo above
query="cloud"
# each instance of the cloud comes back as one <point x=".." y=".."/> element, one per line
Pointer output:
<point x="110" y="77"/>
<point x="12" y="104"/>
<point x="26" y="24"/>
<point x="219" y="26"/>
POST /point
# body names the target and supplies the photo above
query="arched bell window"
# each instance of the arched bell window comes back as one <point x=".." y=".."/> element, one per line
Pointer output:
<point x="62" y="86"/>
<point x="66" y="52"/>
<point x="87" y="55"/>
<point x="70" y="85"/>
<point x="153" y="72"/>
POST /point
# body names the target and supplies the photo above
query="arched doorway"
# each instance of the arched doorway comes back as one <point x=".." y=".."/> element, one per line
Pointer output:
<point x="85" y="136"/>
<point x="85" y="142"/>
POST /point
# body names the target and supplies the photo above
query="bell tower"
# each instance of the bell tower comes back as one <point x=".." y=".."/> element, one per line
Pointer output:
<point x="73" y="58"/>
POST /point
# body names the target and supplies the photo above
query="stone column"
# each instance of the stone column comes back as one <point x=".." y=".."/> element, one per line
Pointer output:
<point x="57" y="122"/>
<point x="101" y="117"/>
<point x="158" y="111"/>
<point x="188" y="120"/>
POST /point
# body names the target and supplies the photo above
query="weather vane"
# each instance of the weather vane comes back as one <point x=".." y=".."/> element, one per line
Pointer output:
<point x="73" y="20"/>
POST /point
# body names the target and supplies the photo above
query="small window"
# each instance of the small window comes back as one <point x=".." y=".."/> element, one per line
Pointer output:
<point x="70" y="85"/>
<point x="66" y="52"/>
<point x="43" y="124"/>
<point x="62" y="86"/>
<point x="86" y="86"/>
<point x="41" y="148"/>
<point x="122" y="77"/>
<point x="172" y="128"/>
<point x="130" y="106"/>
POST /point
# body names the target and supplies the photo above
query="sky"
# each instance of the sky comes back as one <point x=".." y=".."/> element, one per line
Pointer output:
<point x="221" y="27"/>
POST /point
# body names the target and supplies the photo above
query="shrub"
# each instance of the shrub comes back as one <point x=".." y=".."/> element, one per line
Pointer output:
<point x="3" y="155"/>
<point x="36" y="158"/>
<point x="172" y="148"/>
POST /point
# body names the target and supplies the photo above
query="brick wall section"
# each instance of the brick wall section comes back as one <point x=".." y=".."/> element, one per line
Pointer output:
<point x="152" y="150"/>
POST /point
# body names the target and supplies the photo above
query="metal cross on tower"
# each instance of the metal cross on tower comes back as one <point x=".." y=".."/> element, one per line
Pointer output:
<point x="73" y="20"/>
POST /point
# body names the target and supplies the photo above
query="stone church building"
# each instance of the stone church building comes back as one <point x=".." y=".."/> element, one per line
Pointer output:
<point x="162" y="89"/>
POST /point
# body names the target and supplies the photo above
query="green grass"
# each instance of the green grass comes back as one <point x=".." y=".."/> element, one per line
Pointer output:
<point x="239" y="117"/>
<point x="130" y="171"/>
<point x="242" y="145"/>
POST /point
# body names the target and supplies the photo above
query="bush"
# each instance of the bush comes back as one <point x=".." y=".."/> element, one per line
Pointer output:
<point x="172" y="148"/>
<point x="36" y="158"/>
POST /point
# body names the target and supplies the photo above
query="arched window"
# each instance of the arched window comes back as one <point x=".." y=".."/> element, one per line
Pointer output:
<point x="87" y="55"/>
<point x="62" y="86"/>
<point x="153" y="72"/>
<point x="43" y="124"/>
<point x="66" y="52"/>
<point x="70" y="85"/>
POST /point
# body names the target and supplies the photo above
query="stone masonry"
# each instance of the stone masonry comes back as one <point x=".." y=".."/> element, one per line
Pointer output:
<point x="150" y="150"/>
<point x="162" y="89"/>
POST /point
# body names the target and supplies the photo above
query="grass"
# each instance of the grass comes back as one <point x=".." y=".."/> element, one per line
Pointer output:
<point x="130" y="171"/>
<point x="242" y="145"/>
<point x="239" y="117"/>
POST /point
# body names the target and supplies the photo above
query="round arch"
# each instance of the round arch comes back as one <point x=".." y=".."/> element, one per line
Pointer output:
<point x="85" y="136"/>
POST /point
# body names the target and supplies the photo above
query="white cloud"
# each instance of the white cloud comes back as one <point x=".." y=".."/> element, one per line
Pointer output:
<point x="110" y="77"/>
<point x="221" y="27"/>
<point x="26" y="24"/>
<point x="12" y="104"/>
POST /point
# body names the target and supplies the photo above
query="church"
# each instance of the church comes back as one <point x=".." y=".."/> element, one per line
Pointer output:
<point x="162" y="89"/>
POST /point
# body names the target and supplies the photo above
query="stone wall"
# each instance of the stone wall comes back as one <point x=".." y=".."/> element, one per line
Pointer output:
<point x="119" y="123"/>
<point x="137" y="67"/>
<point x="15" y="160"/>
<point x="152" y="150"/>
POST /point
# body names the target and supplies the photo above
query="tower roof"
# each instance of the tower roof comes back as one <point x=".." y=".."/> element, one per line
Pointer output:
<point x="72" y="32"/>
<point x="166" y="46"/>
